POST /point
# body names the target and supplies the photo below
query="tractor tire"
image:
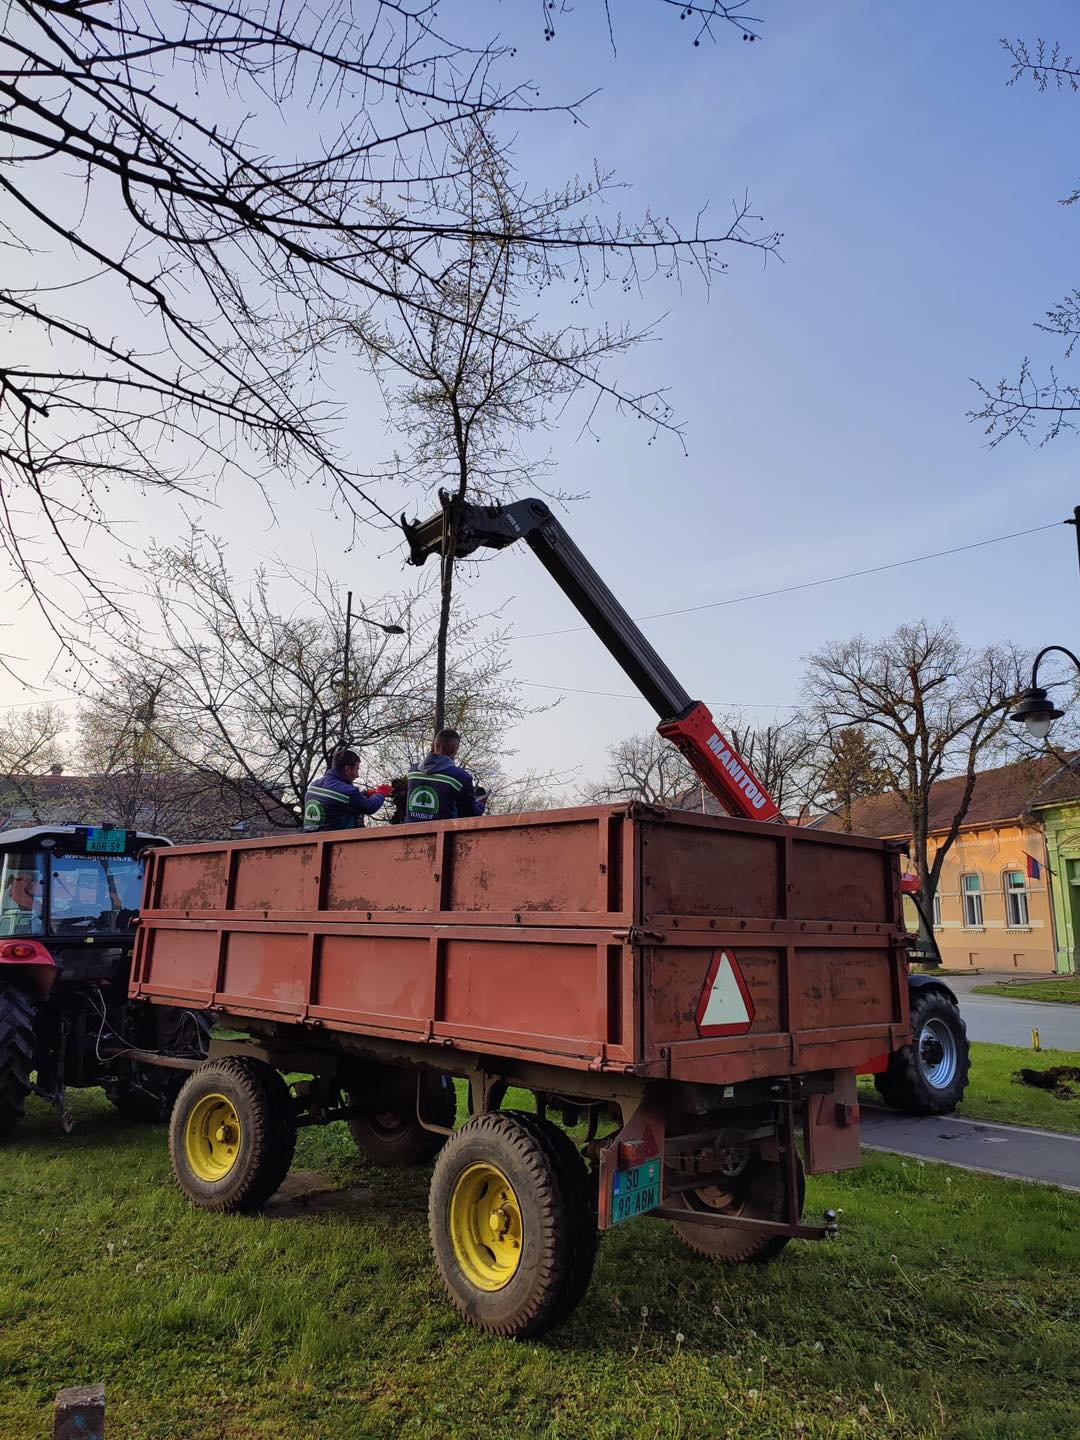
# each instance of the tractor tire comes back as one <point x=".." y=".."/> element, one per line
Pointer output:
<point x="232" y="1134"/>
<point x="508" y="1216"/>
<point x="758" y="1192"/>
<point x="929" y="1076"/>
<point x="17" y="1041"/>
<point x="387" y="1130"/>
<point x="145" y="1094"/>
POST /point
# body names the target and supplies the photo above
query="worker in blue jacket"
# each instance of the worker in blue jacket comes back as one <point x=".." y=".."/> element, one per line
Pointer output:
<point x="334" y="802"/>
<point x="440" y="790"/>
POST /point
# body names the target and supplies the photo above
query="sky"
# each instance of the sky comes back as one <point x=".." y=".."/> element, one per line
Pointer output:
<point x="823" y="399"/>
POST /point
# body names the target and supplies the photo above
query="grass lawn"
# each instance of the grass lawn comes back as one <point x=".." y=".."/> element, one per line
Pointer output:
<point x="950" y="1306"/>
<point x="993" y="1094"/>
<point x="1061" y="992"/>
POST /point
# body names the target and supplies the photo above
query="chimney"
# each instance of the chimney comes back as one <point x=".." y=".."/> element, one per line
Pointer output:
<point x="56" y="770"/>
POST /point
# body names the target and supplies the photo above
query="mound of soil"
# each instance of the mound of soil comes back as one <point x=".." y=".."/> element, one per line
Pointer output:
<point x="1056" y="1080"/>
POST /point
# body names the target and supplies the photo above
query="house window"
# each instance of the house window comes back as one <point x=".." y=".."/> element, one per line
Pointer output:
<point x="1016" y="900"/>
<point x="937" y="911"/>
<point x="973" y="905"/>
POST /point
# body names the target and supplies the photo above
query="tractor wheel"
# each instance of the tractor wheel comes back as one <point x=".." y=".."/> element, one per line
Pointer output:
<point x="232" y="1134"/>
<point x="387" y="1130"/>
<point x="929" y="1076"/>
<point x="757" y="1192"/>
<point x="17" y="1040"/>
<point x="508" y="1214"/>
<point x="145" y="1094"/>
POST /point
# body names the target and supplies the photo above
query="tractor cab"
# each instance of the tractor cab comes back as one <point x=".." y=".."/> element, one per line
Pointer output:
<point x="74" y="889"/>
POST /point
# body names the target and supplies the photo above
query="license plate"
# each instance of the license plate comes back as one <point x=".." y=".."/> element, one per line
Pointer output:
<point x="635" y="1191"/>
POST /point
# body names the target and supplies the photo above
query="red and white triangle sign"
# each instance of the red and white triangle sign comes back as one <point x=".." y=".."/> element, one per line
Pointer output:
<point x="725" y="1007"/>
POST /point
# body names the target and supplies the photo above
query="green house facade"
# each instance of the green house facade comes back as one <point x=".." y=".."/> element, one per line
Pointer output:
<point x="1061" y="822"/>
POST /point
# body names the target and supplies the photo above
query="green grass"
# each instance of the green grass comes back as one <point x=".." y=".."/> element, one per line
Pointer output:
<point x="950" y="1306"/>
<point x="1059" y="992"/>
<point x="993" y="1093"/>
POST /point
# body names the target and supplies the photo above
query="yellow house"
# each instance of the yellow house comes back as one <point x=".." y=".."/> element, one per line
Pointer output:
<point x="994" y="906"/>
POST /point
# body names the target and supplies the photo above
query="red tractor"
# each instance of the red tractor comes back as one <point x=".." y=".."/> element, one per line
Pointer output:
<point x="69" y="901"/>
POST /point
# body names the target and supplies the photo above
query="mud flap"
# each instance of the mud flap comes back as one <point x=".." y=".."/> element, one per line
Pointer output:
<point x="831" y="1127"/>
<point x="635" y="1156"/>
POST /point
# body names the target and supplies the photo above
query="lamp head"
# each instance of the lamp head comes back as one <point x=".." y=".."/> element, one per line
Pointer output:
<point x="1037" y="712"/>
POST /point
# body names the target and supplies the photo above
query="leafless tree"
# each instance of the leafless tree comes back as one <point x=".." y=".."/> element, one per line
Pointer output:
<point x="784" y="756"/>
<point x="467" y="385"/>
<point x="933" y="708"/>
<point x="187" y="185"/>
<point x="251" y="693"/>
<point x="1029" y="406"/>
<point x="642" y="767"/>
<point x="31" y="742"/>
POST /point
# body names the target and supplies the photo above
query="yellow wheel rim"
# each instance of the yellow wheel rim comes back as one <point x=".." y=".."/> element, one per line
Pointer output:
<point x="485" y="1227"/>
<point x="212" y="1138"/>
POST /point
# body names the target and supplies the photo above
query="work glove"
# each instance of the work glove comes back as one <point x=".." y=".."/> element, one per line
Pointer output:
<point x="382" y="790"/>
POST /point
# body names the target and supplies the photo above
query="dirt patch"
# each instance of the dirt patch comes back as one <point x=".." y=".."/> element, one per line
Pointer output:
<point x="1059" y="1080"/>
<point x="307" y="1192"/>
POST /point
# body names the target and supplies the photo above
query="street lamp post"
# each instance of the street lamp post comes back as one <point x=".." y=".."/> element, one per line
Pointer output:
<point x="376" y="624"/>
<point x="1035" y="708"/>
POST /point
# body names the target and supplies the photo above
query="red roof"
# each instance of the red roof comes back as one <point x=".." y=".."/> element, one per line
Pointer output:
<point x="1006" y="794"/>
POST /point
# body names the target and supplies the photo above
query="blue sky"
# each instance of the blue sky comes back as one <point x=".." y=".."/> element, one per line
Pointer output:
<point x="824" y="398"/>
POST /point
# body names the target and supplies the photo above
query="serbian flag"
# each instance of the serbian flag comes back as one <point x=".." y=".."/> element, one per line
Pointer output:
<point x="1034" y="869"/>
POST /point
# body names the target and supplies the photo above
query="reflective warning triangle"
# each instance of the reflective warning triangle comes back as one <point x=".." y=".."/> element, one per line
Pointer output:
<point x="725" y="1007"/>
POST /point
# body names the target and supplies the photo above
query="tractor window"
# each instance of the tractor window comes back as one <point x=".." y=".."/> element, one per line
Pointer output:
<point x="94" y="893"/>
<point x="22" y="886"/>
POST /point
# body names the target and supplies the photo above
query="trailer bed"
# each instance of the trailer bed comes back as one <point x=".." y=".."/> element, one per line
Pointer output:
<point x="587" y="938"/>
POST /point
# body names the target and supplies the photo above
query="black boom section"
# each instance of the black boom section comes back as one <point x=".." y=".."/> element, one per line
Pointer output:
<point x="496" y="526"/>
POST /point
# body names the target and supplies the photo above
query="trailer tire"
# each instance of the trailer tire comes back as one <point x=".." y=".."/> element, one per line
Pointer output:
<point x="758" y="1193"/>
<point x="17" y="1041"/>
<point x="508" y="1217"/>
<point x="929" y="1076"/>
<point x="232" y="1134"/>
<point x="388" y="1131"/>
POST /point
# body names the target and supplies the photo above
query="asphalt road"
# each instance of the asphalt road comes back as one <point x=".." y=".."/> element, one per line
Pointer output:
<point x="1010" y="1150"/>
<point x="999" y="1021"/>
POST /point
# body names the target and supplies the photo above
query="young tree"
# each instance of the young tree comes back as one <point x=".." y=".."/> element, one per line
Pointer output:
<point x="933" y="706"/>
<point x="466" y="385"/>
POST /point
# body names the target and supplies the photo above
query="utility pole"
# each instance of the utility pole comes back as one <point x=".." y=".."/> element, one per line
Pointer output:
<point x="345" y="671"/>
<point x="1075" y="523"/>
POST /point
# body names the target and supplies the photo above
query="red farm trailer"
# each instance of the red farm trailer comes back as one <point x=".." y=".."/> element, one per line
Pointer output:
<point x="684" y="992"/>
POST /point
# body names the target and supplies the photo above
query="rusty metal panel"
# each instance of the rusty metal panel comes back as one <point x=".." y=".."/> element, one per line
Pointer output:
<point x="841" y="986"/>
<point x="177" y="959"/>
<point x="533" y="866"/>
<point x="381" y="870"/>
<point x="377" y="977"/>
<point x="832" y="882"/>
<point x="192" y="880"/>
<point x="699" y="869"/>
<point x="831" y="1127"/>
<point x="271" y="970"/>
<point x="675" y="977"/>
<point x="282" y="878"/>
<point x="543" y="989"/>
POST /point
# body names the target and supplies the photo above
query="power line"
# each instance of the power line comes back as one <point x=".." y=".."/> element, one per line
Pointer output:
<point x="806" y="584"/>
<point x="620" y="695"/>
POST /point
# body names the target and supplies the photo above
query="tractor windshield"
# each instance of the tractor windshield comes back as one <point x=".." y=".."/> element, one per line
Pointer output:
<point x="94" y="894"/>
<point x="22" y="888"/>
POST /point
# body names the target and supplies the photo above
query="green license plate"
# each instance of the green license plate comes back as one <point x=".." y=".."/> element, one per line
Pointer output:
<point x="100" y="841"/>
<point x="635" y="1191"/>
